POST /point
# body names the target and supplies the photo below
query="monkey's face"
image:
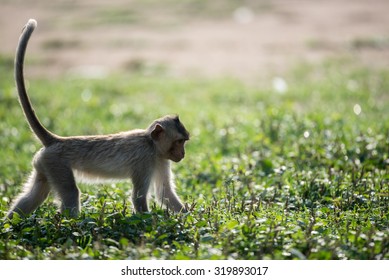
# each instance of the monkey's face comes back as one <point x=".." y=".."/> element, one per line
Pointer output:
<point x="169" y="146"/>
<point x="170" y="136"/>
<point x="177" y="150"/>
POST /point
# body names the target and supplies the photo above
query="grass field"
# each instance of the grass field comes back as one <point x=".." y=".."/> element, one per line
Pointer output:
<point x="292" y="168"/>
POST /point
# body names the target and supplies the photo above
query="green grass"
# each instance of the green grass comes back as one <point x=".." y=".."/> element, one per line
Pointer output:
<point x="297" y="175"/>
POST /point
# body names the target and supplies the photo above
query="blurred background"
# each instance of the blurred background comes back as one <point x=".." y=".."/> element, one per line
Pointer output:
<point x="244" y="39"/>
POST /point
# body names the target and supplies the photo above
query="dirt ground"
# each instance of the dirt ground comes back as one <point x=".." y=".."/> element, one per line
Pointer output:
<point x="246" y="40"/>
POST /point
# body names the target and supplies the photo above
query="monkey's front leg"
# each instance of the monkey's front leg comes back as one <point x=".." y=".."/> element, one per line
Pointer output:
<point x="165" y="189"/>
<point x="168" y="196"/>
<point x="139" y="194"/>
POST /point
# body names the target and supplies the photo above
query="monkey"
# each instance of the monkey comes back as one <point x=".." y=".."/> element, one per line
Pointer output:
<point x="140" y="155"/>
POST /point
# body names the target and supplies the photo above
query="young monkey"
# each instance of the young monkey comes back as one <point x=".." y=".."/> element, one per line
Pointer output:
<point x="142" y="155"/>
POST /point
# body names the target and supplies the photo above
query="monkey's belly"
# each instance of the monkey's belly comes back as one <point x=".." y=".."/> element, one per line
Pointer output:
<point x="85" y="176"/>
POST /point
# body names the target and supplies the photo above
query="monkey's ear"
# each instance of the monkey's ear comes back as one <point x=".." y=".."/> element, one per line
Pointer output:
<point x="158" y="129"/>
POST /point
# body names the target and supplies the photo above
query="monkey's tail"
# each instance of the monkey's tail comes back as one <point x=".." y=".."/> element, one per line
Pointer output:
<point x="46" y="137"/>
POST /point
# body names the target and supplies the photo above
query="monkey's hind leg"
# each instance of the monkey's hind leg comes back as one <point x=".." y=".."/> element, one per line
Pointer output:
<point x="35" y="192"/>
<point x="62" y="180"/>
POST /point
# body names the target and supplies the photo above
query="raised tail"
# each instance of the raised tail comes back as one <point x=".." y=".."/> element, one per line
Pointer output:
<point x="46" y="137"/>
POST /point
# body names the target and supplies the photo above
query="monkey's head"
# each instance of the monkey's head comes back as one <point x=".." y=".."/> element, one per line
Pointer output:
<point x="169" y="136"/>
